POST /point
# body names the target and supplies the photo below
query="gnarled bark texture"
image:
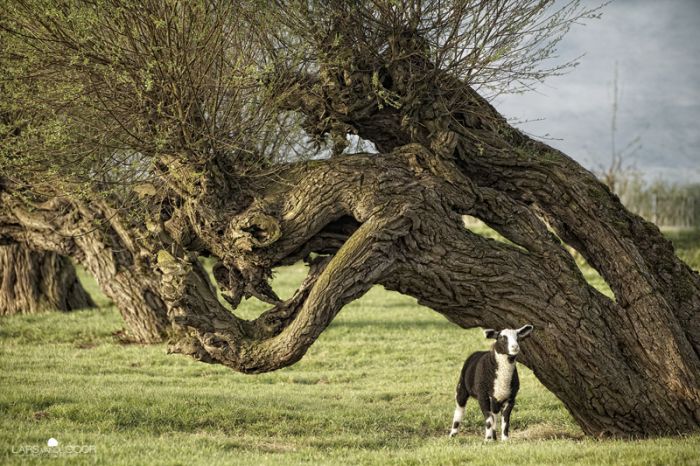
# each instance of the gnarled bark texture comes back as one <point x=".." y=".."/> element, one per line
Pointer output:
<point x="32" y="281"/>
<point x="92" y="235"/>
<point x="395" y="219"/>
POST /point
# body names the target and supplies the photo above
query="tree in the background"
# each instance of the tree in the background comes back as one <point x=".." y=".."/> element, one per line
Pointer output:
<point x="32" y="281"/>
<point x="178" y="129"/>
<point x="91" y="233"/>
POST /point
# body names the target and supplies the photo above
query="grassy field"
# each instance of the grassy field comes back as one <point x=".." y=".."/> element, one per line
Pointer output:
<point x="377" y="388"/>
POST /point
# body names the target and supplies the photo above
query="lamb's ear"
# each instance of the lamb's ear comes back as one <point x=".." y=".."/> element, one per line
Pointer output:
<point x="491" y="333"/>
<point x="525" y="331"/>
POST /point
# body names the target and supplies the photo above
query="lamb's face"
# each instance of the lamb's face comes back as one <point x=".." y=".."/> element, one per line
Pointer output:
<point x="507" y="340"/>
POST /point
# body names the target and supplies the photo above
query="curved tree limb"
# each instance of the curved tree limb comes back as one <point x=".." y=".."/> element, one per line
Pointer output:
<point x="223" y="338"/>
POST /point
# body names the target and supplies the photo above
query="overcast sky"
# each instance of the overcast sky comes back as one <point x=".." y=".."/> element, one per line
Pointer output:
<point x="656" y="44"/>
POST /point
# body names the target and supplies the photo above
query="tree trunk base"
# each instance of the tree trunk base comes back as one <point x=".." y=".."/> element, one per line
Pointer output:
<point x="33" y="281"/>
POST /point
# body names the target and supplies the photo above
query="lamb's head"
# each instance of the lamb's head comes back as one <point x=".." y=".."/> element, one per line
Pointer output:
<point x="507" y="340"/>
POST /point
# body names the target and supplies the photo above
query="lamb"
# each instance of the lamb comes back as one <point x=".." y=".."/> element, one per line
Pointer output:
<point x="492" y="378"/>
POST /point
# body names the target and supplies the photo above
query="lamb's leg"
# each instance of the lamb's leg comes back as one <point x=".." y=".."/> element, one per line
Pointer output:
<point x="505" y="419"/>
<point x="489" y="418"/>
<point x="461" y="399"/>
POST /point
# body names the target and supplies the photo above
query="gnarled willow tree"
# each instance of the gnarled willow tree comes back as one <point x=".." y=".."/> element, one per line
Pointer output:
<point x="209" y="121"/>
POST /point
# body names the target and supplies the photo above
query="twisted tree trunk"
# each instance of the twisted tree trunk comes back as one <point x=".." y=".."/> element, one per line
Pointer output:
<point x="32" y="281"/>
<point x="395" y="220"/>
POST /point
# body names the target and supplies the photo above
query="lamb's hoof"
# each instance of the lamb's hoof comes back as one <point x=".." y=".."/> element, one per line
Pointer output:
<point x="504" y="439"/>
<point x="453" y="433"/>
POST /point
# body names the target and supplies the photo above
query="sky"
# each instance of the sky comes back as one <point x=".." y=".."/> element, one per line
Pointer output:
<point x="656" y="45"/>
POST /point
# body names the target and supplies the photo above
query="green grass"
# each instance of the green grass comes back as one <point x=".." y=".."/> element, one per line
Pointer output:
<point x="376" y="388"/>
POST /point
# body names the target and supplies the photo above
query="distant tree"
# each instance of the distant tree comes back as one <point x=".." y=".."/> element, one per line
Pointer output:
<point x="210" y="121"/>
<point x="32" y="281"/>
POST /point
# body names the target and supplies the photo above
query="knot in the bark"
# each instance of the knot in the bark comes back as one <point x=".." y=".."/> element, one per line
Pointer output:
<point x="253" y="230"/>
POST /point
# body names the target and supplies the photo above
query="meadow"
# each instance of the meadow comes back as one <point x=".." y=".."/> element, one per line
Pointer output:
<point x="377" y="388"/>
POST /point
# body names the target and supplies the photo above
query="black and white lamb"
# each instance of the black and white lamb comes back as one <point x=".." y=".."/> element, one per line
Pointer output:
<point x="492" y="378"/>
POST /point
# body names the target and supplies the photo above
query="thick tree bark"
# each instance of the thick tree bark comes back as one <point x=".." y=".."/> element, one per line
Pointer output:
<point x="32" y="281"/>
<point x="625" y="367"/>
<point x="93" y="236"/>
